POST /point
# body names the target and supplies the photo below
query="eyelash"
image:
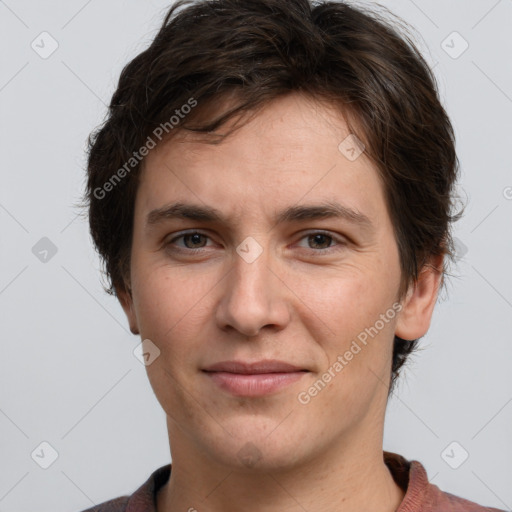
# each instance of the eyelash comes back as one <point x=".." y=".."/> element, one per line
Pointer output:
<point x="339" y="242"/>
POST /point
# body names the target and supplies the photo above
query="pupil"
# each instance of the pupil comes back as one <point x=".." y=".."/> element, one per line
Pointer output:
<point x="195" y="238"/>
<point x="316" y="238"/>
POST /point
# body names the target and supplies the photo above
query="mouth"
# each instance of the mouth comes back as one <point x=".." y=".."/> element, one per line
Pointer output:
<point x="253" y="379"/>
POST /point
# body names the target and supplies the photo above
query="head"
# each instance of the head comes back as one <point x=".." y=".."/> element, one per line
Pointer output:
<point x="254" y="108"/>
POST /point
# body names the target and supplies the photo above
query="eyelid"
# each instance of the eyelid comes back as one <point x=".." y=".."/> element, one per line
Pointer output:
<point x="182" y="234"/>
<point x="340" y="241"/>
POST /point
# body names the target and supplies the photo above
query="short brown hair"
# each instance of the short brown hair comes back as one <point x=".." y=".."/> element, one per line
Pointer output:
<point x="256" y="51"/>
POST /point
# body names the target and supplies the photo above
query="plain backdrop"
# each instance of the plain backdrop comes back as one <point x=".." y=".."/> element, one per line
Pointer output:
<point x="69" y="378"/>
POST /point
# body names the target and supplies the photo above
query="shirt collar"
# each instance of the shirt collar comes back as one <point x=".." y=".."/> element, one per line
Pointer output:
<point x="409" y="475"/>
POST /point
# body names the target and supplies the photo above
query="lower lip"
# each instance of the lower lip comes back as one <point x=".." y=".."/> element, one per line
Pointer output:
<point x="254" y="384"/>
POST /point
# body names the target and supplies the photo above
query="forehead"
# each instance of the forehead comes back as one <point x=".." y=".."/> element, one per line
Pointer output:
<point x="292" y="150"/>
<point x="289" y="126"/>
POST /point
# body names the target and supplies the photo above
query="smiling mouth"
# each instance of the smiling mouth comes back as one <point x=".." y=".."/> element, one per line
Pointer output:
<point x="253" y="379"/>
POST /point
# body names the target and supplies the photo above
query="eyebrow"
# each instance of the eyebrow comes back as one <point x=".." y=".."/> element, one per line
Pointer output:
<point x="299" y="213"/>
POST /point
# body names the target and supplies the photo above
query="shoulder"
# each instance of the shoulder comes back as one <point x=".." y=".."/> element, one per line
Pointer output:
<point x="115" y="505"/>
<point x="420" y="494"/>
<point x="142" y="500"/>
<point x="448" y="501"/>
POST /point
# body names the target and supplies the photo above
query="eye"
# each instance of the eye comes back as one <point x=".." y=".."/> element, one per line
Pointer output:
<point x="322" y="241"/>
<point x="193" y="242"/>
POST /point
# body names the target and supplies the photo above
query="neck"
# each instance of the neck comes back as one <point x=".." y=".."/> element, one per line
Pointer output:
<point x="349" y="479"/>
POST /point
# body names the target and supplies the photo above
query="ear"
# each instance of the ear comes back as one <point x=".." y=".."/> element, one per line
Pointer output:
<point x="125" y="298"/>
<point x="418" y="305"/>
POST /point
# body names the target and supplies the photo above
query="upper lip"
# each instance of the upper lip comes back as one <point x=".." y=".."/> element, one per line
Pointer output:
<point x="265" y="366"/>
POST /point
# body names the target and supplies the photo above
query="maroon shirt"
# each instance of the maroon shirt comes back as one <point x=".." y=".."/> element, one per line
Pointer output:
<point x="420" y="494"/>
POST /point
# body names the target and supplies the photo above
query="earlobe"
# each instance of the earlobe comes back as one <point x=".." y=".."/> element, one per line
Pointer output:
<point x="418" y="305"/>
<point x="126" y="300"/>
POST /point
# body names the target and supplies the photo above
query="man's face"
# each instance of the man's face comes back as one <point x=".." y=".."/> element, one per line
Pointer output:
<point x="248" y="288"/>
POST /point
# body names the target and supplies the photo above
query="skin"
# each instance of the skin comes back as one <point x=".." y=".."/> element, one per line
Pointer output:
<point x="303" y="300"/>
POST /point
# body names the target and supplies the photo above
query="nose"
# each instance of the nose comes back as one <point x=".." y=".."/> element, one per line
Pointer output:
<point x="253" y="296"/>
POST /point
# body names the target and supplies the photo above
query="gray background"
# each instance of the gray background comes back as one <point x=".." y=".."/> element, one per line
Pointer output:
<point x="68" y="374"/>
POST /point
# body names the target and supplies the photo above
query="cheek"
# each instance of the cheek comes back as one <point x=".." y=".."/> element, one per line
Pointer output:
<point x="347" y="300"/>
<point x="167" y="300"/>
<point x="358" y="356"/>
<point x="170" y="313"/>
<point x="357" y="307"/>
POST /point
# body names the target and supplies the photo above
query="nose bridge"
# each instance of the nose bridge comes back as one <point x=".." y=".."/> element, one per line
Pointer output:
<point x="251" y="267"/>
<point x="251" y="297"/>
<point x="249" y="279"/>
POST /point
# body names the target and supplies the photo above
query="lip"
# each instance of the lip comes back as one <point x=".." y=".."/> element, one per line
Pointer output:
<point x="264" y="366"/>
<point x="253" y="379"/>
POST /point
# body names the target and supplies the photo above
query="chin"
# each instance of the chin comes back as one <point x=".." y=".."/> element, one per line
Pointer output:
<point x="254" y="451"/>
